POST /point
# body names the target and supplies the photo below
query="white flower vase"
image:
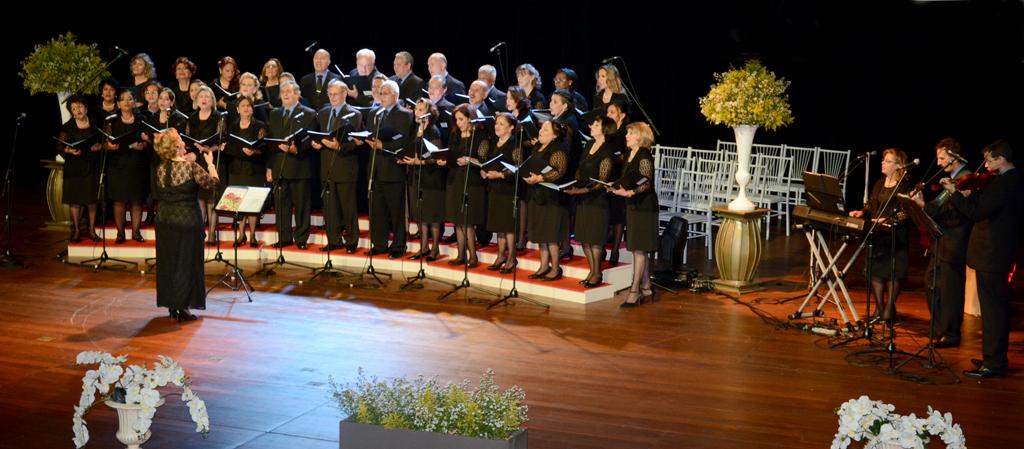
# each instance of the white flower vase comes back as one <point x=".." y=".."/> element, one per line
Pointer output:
<point x="127" y="415"/>
<point x="744" y="142"/>
<point x="62" y="98"/>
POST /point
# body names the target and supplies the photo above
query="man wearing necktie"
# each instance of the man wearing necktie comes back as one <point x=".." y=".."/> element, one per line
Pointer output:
<point x="290" y="168"/>
<point x="339" y="168"/>
<point x="409" y="85"/>
<point x="314" y="85"/>
<point x="387" y="205"/>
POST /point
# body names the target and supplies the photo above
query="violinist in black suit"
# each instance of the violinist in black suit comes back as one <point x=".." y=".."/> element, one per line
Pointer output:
<point x="314" y="85"/>
<point x="437" y="64"/>
<point x="290" y="167"/>
<point x="388" y="203"/>
<point x="993" y="244"/>
<point x="339" y="168"/>
<point x="948" y="267"/>
<point x="409" y="85"/>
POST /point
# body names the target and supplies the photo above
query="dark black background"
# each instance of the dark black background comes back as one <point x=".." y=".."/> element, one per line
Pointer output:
<point x="865" y="76"/>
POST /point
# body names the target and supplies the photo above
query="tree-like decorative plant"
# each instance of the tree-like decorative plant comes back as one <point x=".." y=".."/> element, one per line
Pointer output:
<point x="63" y="65"/>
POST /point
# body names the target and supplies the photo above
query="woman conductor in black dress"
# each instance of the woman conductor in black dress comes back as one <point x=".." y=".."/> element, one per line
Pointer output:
<point x="464" y="149"/>
<point x="549" y="216"/>
<point x="179" y="227"/>
<point x="641" y="209"/>
<point x="427" y="185"/>
<point x="592" y="201"/>
<point x="501" y="190"/>
<point x="882" y="256"/>
<point x="248" y="165"/>
<point x="80" y="166"/>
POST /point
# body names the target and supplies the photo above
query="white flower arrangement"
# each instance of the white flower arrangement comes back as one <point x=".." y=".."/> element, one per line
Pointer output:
<point x="875" y="423"/>
<point x="134" y="385"/>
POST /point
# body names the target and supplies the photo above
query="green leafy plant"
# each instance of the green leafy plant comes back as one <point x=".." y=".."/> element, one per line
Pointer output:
<point x="424" y="404"/>
<point x="63" y="65"/>
<point x="752" y="95"/>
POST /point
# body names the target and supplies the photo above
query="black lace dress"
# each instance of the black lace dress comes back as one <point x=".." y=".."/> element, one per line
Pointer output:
<point x="642" y="208"/>
<point x="179" y="235"/>
<point x="592" y="207"/>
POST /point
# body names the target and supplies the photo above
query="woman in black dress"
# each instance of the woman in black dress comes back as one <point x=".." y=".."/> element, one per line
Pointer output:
<point x="882" y="256"/>
<point x="529" y="80"/>
<point x="617" y="204"/>
<point x="248" y="164"/>
<point x="501" y="190"/>
<point x="270" y="79"/>
<point x="107" y="105"/>
<point x="143" y="72"/>
<point x="641" y="209"/>
<point x="80" y="166"/>
<point x="227" y="83"/>
<point x="609" y="88"/>
<point x="591" y="198"/>
<point x="127" y="165"/>
<point x="518" y="104"/>
<point x="427" y="183"/>
<point x="204" y="123"/>
<point x="249" y="86"/>
<point x="179" y="227"/>
<point x="549" y="216"/>
<point x="184" y="70"/>
<point x="465" y="146"/>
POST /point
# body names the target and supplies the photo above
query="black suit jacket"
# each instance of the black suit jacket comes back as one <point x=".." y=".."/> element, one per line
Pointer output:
<point x="955" y="226"/>
<point x="996" y="213"/>
<point x="361" y="98"/>
<point x="496" y="100"/>
<point x="316" y="100"/>
<point x="291" y="166"/>
<point x="412" y="88"/>
<point x="386" y="169"/>
<point x="346" y="159"/>
<point x="455" y="88"/>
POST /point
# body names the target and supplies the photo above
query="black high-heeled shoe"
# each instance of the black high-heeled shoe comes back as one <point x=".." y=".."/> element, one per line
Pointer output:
<point x="588" y="284"/>
<point x="458" y="261"/>
<point x="613" y="260"/>
<point x="647" y="294"/>
<point x="553" y="278"/>
<point x="635" y="296"/>
<point x="496" y="265"/>
<point x="137" y="236"/>
<point x="173" y="313"/>
<point x="185" y="315"/>
<point x="75" y="238"/>
<point x="473" y="263"/>
<point x="120" y="238"/>
<point x="434" y="254"/>
<point x="506" y="269"/>
<point x="539" y="273"/>
<point x="94" y="236"/>
<point x="240" y="241"/>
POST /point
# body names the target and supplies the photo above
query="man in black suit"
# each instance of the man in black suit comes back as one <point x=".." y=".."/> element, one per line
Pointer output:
<point x="495" y="97"/>
<point x="409" y="85"/>
<point x="366" y="70"/>
<point x="478" y="98"/>
<point x="948" y="267"/>
<point x="387" y="207"/>
<point x="291" y="166"/>
<point x="339" y="168"/>
<point x="314" y="85"/>
<point x="436" y="91"/>
<point x="996" y="213"/>
<point x="437" y="64"/>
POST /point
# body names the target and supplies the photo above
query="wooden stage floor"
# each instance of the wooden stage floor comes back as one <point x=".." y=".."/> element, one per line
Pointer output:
<point x="689" y="371"/>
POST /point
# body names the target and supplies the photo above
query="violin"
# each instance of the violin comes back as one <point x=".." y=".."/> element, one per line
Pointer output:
<point x="976" y="181"/>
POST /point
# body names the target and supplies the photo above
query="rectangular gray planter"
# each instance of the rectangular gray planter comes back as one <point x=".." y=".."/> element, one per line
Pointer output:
<point x="366" y="436"/>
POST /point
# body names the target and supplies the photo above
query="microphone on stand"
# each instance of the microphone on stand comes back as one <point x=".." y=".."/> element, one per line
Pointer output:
<point x="911" y="163"/>
<point x="495" y="47"/>
<point x="121" y="50"/>
<point x="21" y="116"/>
<point x="310" y="47"/>
<point x="607" y="60"/>
<point x="866" y="155"/>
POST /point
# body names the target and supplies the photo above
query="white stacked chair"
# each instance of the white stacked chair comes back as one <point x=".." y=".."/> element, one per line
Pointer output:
<point x="834" y="163"/>
<point x="804" y="159"/>
<point x="772" y="188"/>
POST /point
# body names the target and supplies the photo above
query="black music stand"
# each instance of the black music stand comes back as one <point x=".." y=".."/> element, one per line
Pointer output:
<point x="239" y="202"/>
<point x="925" y="224"/>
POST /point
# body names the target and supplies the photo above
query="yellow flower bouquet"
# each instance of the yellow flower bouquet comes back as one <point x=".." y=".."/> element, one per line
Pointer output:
<point x="752" y="95"/>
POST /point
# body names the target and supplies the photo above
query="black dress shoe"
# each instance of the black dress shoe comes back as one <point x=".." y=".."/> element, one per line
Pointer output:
<point x="375" y="251"/>
<point x="281" y="244"/>
<point x="418" y="255"/>
<point x="302" y="245"/>
<point x="240" y="241"/>
<point x="75" y="238"/>
<point x="552" y="278"/>
<point x="496" y="265"/>
<point x="539" y="274"/>
<point x="978" y="362"/>
<point x="331" y="247"/>
<point x="613" y="260"/>
<point x="138" y="237"/>
<point x="458" y="261"/>
<point x="947" y="342"/>
<point x="351" y="249"/>
<point x="185" y="315"/>
<point x="254" y="243"/>
<point x="506" y="269"/>
<point x="433" y="256"/>
<point x="120" y="238"/>
<point x="395" y="254"/>
<point x="94" y="236"/>
<point x="473" y="263"/>
<point x="984" y="373"/>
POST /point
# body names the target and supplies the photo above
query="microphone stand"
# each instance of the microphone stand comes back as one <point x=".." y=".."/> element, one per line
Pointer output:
<point x="215" y="219"/>
<point x="268" y="269"/>
<point x="465" y="223"/>
<point x="414" y="282"/>
<point x="370" y="270"/>
<point x="501" y="67"/>
<point x="325" y="196"/>
<point x="514" y="292"/>
<point x="101" y="197"/>
<point x="8" y="259"/>
<point x="235" y="274"/>
<point x="632" y="97"/>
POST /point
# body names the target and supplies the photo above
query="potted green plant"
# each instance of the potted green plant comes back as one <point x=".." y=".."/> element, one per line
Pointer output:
<point x="423" y="414"/>
<point x="61" y="66"/>
<point x="746" y="99"/>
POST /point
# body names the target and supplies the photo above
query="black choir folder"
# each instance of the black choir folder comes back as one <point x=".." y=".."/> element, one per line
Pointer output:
<point x="254" y="144"/>
<point x="83" y="145"/>
<point x="297" y="136"/>
<point x="243" y="199"/>
<point x="630" y="181"/>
